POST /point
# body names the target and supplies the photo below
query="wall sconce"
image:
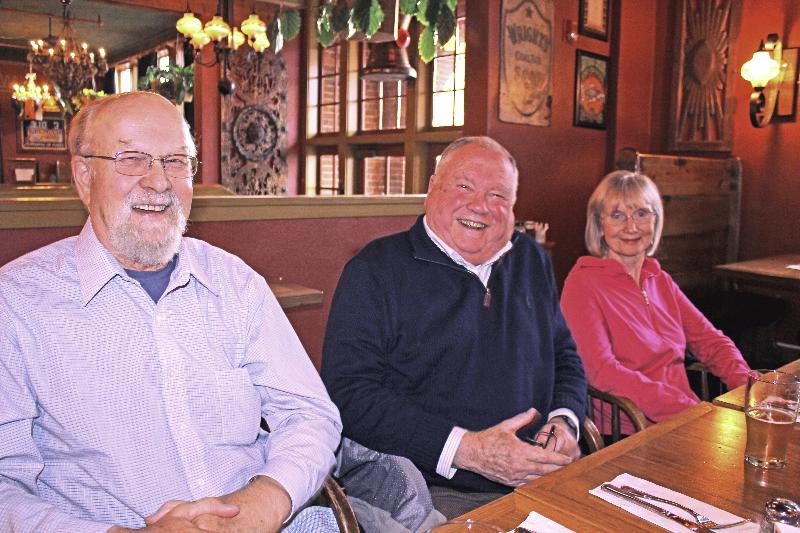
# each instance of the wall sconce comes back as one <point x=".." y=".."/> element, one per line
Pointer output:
<point x="764" y="72"/>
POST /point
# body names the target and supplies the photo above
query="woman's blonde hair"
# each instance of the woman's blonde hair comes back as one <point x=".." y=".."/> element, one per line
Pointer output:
<point x="627" y="187"/>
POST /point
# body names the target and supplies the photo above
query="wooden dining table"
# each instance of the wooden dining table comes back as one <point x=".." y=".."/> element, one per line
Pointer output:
<point x="699" y="452"/>
<point x="291" y="295"/>
<point x="734" y="398"/>
<point x="771" y="271"/>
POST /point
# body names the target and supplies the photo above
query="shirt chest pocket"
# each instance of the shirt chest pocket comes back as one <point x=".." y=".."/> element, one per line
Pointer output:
<point x="225" y="405"/>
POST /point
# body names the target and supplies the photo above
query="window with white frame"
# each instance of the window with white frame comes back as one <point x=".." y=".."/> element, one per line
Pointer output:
<point x="373" y="138"/>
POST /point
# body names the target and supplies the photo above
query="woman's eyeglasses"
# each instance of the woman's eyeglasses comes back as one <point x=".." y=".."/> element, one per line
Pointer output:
<point x="640" y="217"/>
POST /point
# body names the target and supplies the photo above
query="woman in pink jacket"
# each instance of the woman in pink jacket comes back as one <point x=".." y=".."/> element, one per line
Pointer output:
<point x="631" y="321"/>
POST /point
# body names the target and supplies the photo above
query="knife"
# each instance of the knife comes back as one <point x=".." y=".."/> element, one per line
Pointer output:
<point x="685" y="522"/>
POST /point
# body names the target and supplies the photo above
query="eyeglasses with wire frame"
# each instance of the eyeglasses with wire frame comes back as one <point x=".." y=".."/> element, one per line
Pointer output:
<point x="134" y="163"/>
<point x="640" y="217"/>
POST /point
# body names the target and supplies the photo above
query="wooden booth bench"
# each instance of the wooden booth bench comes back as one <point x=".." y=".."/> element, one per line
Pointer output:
<point x="702" y="214"/>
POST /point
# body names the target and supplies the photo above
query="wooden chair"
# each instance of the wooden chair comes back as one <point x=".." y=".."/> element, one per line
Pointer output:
<point x="627" y="406"/>
<point x="591" y="439"/>
<point x="334" y="497"/>
<point x="617" y="403"/>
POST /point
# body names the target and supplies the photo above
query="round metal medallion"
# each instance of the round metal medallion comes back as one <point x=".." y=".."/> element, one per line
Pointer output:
<point x="255" y="133"/>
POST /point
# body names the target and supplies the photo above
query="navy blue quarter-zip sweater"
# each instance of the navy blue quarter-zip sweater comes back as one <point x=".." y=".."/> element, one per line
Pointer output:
<point x="415" y="345"/>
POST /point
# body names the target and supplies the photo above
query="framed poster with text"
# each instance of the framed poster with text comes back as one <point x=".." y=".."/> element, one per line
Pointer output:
<point x="590" y="90"/>
<point x="49" y="134"/>
<point x="526" y="56"/>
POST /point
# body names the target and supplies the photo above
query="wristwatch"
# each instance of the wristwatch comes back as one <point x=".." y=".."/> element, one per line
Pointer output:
<point x="567" y="420"/>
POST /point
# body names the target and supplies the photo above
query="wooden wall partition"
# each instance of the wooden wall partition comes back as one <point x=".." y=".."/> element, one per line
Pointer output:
<point x="276" y="236"/>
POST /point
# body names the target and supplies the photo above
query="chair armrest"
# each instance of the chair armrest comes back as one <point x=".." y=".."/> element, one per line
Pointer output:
<point x="334" y="497"/>
<point x="591" y="436"/>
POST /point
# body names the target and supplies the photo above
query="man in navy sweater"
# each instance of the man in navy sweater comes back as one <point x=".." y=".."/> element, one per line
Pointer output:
<point x="446" y="340"/>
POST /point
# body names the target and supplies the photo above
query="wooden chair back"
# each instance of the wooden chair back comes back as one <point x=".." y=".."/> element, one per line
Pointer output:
<point x="702" y="208"/>
<point x="617" y="404"/>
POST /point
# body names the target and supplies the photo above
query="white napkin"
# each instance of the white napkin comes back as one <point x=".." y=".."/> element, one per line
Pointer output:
<point x="542" y="524"/>
<point x="786" y="528"/>
<point x="657" y="490"/>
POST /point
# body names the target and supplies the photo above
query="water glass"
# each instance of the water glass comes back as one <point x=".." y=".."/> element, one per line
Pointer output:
<point x="459" y="526"/>
<point x="770" y="403"/>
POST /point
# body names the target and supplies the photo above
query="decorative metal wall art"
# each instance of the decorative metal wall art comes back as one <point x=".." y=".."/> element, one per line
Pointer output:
<point x="254" y="141"/>
<point x="704" y="73"/>
<point x="526" y="53"/>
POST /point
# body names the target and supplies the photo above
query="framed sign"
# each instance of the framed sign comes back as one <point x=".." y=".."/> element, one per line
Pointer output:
<point x="593" y="19"/>
<point x="590" y="90"/>
<point x="48" y="135"/>
<point x="25" y="170"/>
<point x="526" y="62"/>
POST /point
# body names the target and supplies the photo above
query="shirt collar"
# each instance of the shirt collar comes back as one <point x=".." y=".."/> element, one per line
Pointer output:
<point x="455" y="256"/>
<point x="96" y="266"/>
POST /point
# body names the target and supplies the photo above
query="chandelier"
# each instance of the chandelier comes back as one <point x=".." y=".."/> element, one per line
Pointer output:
<point x="225" y="38"/>
<point x="30" y="98"/>
<point x="68" y="65"/>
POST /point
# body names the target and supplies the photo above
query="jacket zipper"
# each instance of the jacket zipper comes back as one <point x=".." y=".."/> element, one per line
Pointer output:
<point x="487" y="296"/>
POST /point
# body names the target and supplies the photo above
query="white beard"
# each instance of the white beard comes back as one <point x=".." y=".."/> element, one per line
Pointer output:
<point x="148" y="245"/>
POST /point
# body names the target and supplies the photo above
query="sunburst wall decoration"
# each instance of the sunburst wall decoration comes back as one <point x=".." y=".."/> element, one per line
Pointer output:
<point x="701" y="99"/>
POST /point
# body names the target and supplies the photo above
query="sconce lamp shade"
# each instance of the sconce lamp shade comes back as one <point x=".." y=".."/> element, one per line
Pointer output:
<point x="188" y="25"/>
<point x="217" y="29"/>
<point x="760" y="69"/>
<point x="237" y="39"/>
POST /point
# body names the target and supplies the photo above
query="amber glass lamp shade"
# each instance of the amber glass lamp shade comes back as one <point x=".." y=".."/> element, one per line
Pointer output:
<point x="217" y="29"/>
<point x="253" y="25"/>
<point x="188" y="25"/>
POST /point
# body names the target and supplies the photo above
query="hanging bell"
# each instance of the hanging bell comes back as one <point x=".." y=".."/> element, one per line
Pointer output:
<point x="387" y="62"/>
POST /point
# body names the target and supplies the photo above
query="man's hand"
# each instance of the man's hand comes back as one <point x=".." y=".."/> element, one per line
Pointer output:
<point x="178" y="516"/>
<point x="497" y="454"/>
<point x="263" y="507"/>
<point x="566" y="442"/>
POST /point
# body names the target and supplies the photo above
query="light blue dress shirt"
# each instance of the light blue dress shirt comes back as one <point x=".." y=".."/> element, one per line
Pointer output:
<point x="111" y="404"/>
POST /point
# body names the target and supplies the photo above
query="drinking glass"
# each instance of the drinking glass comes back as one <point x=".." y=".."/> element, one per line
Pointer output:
<point x="458" y="526"/>
<point x="770" y="403"/>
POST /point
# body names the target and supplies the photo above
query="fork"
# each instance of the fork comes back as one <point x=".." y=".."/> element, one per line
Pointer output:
<point x="699" y="518"/>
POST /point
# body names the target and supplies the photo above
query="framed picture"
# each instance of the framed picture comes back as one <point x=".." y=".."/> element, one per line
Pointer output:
<point x="48" y="135"/>
<point x="24" y="170"/>
<point x="593" y="19"/>
<point x="590" y="90"/>
<point x="786" y="107"/>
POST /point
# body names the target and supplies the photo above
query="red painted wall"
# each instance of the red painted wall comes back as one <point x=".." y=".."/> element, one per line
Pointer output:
<point x="770" y="155"/>
<point x="309" y="252"/>
<point x="558" y="165"/>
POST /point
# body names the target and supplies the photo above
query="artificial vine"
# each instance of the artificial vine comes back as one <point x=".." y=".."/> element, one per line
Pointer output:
<point x="340" y="19"/>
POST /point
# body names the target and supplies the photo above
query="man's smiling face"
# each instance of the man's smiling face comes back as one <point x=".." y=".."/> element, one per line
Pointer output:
<point x="139" y="219"/>
<point x="470" y="203"/>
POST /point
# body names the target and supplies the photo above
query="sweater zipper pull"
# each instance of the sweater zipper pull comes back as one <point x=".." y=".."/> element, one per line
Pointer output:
<point x="487" y="298"/>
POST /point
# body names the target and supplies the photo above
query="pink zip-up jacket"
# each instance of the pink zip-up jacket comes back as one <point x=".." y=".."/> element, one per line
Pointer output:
<point x="632" y="341"/>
